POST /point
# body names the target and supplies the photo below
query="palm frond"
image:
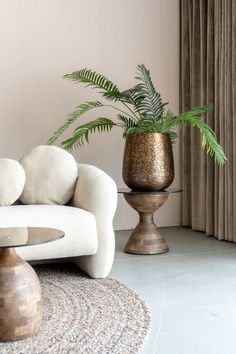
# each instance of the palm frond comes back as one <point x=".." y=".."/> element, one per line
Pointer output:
<point x="143" y="126"/>
<point x="168" y="122"/>
<point x="146" y="99"/>
<point x="173" y="136"/>
<point x="194" y="118"/>
<point x="81" y="134"/>
<point x="133" y="96"/>
<point x="127" y="122"/>
<point x="71" y="118"/>
<point x="209" y="140"/>
<point x="96" y="80"/>
<point x="199" y="111"/>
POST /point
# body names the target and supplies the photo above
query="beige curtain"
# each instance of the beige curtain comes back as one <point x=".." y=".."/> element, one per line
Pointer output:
<point x="208" y="75"/>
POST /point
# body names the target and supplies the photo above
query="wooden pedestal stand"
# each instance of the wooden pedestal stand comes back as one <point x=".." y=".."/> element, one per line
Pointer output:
<point x="146" y="237"/>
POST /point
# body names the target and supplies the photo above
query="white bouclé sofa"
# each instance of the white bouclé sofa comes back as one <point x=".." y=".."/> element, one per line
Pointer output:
<point x="86" y="220"/>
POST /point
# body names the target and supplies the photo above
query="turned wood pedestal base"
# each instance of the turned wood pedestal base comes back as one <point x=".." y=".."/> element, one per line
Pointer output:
<point x="20" y="297"/>
<point x="21" y="306"/>
<point x="146" y="238"/>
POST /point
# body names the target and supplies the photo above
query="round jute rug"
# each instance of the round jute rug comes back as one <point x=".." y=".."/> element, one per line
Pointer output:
<point x="83" y="315"/>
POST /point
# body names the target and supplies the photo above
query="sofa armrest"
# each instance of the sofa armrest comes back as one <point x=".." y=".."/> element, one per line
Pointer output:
<point x="96" y="192"/>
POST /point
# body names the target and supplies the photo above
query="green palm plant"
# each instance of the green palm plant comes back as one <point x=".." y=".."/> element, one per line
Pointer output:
<point x="143" y="113"/>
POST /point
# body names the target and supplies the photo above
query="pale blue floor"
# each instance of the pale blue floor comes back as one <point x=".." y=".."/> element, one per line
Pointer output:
<point x="191" y="292"/>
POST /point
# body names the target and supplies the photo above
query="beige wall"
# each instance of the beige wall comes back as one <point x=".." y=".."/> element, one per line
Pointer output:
<point x="41" y="40"/>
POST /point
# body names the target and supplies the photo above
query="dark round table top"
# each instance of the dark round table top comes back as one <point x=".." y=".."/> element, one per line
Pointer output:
<point x="162" y="192"/>
<point x="28" y="236"/>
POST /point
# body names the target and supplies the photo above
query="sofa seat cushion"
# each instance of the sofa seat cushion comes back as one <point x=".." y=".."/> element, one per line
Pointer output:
<point x="79" y="226"/>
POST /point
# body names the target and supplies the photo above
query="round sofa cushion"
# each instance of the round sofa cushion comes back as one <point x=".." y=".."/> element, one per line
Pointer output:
<point x="12" y="181"/>
<point x="51" y="175"/>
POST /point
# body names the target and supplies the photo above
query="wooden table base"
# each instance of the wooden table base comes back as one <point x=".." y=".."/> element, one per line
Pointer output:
<point x="20" y="297"/>
<point x="146" y="238"/>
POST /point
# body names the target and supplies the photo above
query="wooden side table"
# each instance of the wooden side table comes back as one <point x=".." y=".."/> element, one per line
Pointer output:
<point x="21" y="307"/>
<point x="146" y="238"/>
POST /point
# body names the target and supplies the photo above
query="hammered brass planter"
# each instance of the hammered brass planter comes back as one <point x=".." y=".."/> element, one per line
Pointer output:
<point x="148" y="162"/>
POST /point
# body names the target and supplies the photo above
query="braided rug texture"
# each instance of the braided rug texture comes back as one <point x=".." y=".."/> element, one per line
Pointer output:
<point x="83" y="315"/>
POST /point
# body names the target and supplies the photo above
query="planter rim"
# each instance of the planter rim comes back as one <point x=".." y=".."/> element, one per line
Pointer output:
<point x="149" y="133"/>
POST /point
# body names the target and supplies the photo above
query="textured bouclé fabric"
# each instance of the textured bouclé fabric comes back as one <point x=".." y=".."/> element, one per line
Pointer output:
<point x="12" y="181"/>
<point x="51" y="174"/>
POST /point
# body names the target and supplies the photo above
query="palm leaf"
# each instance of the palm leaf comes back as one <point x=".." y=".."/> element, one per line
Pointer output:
<point x="132" y="96"/>
<point x="146" y="100"/>
<point x="199" y="111"/>
<point x="209" y="140"/>
<point x="127" y="122"/>
<point x="142" y="127"/>
<point x="96" y="80"/>
<point x="71" y="117"/>
<point x="168" y="122"/>
<point x="81" y="134"/>
<point x="194" y="118"/>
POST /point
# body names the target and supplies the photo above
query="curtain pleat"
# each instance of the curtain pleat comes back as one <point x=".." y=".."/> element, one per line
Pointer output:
<point x="208" y="75"/>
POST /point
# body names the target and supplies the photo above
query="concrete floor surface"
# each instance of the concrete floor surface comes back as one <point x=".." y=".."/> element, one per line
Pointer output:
<point x="191" y="292"/>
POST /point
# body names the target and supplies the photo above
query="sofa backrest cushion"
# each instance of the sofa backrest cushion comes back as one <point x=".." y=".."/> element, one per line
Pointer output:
<point x="51" y="175"/>
<point x="12" y="181"/>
